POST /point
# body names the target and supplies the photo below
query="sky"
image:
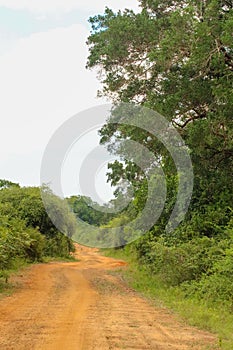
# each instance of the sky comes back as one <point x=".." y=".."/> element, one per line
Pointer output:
<point x="43" y="81"/>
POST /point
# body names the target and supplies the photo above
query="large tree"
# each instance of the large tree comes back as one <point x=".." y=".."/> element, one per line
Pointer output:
<point x="175" y="57"/>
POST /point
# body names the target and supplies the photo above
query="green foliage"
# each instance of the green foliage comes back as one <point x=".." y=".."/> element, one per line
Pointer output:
<point x="58" y="246"/>
<point x="26" y="232"/>
<point x="115" y="234"/>
<point x="60" y="214"/>
<point x="216" y="287"/>
<point x="89" y="211"/>
<point x="184" y="262"/>
<point x="18" y="241"/>
<point x="177" y="59"/>
<point x="7" y="184"/>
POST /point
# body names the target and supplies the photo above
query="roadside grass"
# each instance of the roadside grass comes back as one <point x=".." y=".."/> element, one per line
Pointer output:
<point x="213" y="318"/>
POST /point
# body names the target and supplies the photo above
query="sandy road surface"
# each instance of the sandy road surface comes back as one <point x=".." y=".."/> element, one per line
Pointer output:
<point x="81" y="306"/>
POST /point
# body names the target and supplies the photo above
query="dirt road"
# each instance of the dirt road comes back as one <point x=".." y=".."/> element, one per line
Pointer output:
<point x="81" y="306"/>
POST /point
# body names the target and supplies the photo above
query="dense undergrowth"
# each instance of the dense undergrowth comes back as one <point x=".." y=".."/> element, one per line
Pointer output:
<point x="26" y="233"/>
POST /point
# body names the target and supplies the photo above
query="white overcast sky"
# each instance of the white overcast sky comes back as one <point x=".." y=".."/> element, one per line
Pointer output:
<point x="43" y="80"/>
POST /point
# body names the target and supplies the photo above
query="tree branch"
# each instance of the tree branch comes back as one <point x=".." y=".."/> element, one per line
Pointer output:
<point x="189" y="120"/>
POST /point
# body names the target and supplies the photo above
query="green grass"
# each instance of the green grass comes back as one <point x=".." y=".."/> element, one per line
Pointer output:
<point x="213" y="318"/>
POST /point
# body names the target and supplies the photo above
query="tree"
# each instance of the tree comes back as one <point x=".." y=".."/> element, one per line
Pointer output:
<point x="88" y="211"/>
<point x="176" y="58"/>
<point x="23" y="214"/>
<point x="7" y="184"/>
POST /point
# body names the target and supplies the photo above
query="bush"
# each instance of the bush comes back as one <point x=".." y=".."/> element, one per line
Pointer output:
<point x="217" y="286"/>
<point x="26" y="231"/>
<point x="188" y="261"/>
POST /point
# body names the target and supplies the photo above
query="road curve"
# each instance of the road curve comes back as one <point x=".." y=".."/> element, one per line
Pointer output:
<point x="81" y="306"/>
